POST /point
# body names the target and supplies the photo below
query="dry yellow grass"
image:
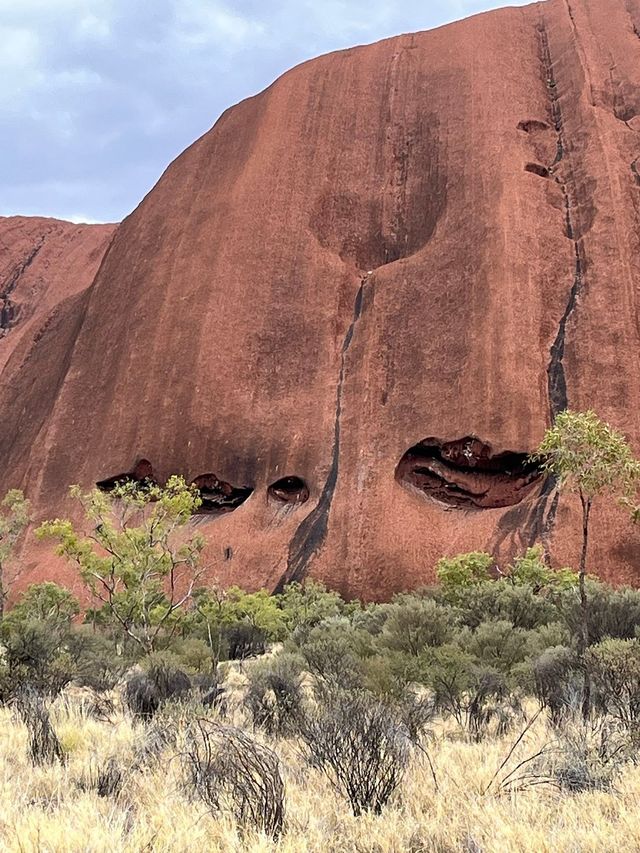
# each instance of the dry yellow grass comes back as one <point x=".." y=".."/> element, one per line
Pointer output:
<point x="45" y="809"/>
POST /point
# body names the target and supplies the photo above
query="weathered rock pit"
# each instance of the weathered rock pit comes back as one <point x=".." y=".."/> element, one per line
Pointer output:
<point x="289" y="490"/>
<point x="217" y="495"/>
<point x="464" y="474"/>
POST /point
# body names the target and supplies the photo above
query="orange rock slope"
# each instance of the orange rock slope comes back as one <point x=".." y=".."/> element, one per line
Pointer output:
<point x="352" y="308"/>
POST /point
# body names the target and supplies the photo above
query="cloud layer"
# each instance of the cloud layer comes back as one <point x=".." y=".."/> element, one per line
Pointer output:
<point x="97" y="98"/>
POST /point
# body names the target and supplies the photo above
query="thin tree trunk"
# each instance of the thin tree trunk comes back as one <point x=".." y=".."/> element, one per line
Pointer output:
<point x="583" y="639"/>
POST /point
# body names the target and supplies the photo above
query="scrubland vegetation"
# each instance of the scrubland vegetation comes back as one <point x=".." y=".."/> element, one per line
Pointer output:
<point x="498" y="710"/>
<point x="449" y="719"/>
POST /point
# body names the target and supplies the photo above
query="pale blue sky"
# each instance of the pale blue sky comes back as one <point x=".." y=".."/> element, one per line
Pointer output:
<point x="98" y="96"/>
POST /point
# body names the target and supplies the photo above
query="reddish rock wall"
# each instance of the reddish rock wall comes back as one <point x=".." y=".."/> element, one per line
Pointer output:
<point x="42" y="263"/>
<point x="429" y="242"/>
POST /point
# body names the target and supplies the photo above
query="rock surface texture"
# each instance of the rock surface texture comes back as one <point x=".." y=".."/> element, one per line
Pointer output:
<point x="353" y="307"/>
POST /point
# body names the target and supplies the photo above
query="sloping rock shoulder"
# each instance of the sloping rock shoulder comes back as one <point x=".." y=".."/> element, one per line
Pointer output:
<point x="351" y="309"/>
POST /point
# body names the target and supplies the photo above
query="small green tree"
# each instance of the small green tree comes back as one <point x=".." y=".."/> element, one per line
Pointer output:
<point x="531" y="570"/>
<point x="14" y="518"/>
<point x="137" y="558"/>
<point x="591" y="459"/>
<point x="232" y="619"/>
<point x="46" y="602"/>
<point x="463" y="571"/>
<point x="305" y="605"/>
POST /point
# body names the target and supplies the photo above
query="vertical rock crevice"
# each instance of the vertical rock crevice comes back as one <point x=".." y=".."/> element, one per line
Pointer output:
<point x="8" y="314"/>
<point x="540" y="521"/>
<point x="311" y="533"/>
<point x="556" y="377"/>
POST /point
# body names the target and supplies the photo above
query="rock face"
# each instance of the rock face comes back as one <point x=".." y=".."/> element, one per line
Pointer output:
<point x="352" y="308"/>
<point x="42" y="263"/>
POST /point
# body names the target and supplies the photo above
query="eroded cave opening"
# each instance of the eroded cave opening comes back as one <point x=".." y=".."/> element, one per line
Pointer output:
<point x="289" y="490"/>
<point x="537" y="169"/>
<point x="532" y="125"/>
<point x="218" y="496"/>
<point x="465" y="474"/>
<point x="141" y="473"/>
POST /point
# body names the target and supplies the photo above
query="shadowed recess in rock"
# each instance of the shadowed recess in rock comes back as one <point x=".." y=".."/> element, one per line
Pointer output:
<point x="218" y="496"/>
<point x="464" y="473"/>
<point x="142" y="473"/>
<point x="537" y="169"/>
<point x="289" y="490"/>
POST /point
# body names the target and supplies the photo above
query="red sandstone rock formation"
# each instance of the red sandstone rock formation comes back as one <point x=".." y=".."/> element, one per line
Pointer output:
<point x="353" y="307"/>
<point x="42" y="263"/>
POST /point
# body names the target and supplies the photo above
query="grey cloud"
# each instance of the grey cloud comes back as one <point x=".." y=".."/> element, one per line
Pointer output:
<point x="96" y="98"/>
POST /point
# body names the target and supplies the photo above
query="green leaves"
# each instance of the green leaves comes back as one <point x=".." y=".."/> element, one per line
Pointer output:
<point x="259" y="610"/>
<point x="587" y="455"/>
<point x="136" y="557"/>
<point x="14" y="517"/>
<point x="464" y="570"/>
<point x="46" y="602"/>
<point x="532" y="570"/>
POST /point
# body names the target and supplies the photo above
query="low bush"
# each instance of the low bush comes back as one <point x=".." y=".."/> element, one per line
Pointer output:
<point x="360" y="745"/>
<point x="44" y="745"/>
<point x="274" y="697"/>
<point x="475" y="695"/>
<point x="228" y="769"/>
<point x="146" y="691"/>
<point x="557" y="681"/>
<point x="589" y="757"/>
<point x="413" y="624"/>
<point x="614" y="666"/>
<point x="334" y="651"/>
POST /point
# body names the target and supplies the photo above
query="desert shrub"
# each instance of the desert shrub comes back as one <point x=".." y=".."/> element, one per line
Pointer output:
<point x="194" y="655"/>
<point x="531" y="570"/>
<point x="333" y="652"/>
<point x="47" y="602"/>
<point x="388" y="673"/>
<point x="615" y="671"/>
<point x="236" y="624"/>
<point x="44" y="745"/>
<point x="243" y="641"/>
<point x="557" y="681"/>
<point x="308" y="604"/>
<point x="361" y="746"/>
<point x="475" y="695"/>
<point x="496" y="644"/>
<point x="274" y="696"/>
<point x="35" y="655"/>
<point x="519" y="605"/>
<point x="414" y="623"/>
<point x="227" y="768"/>
<point x="463" y="571"/>
<point x="589" y="757"/>
<point x="613" y="613"/>
<point x="160" y="680"/>
<point x="96" y="662"/>
<point x="417" y="712"/>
